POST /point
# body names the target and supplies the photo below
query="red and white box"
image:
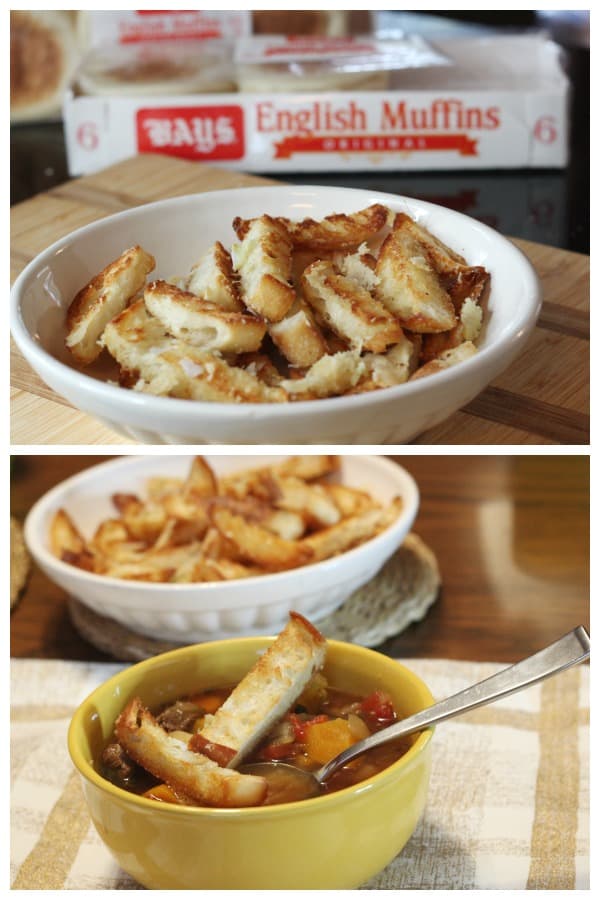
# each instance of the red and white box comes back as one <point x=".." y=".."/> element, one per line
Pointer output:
<point x="135" y="26"/>
<point x="501" y="103"/>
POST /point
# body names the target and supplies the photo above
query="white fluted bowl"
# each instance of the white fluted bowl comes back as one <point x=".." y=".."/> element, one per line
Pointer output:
<point x="197" y="612"/>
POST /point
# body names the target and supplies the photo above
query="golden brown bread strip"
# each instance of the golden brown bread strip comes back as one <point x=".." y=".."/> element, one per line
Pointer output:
<point x="408" y="283"/>
<point x="444" y="260"/>
<point x="184" y="770"/>
<point x="65" y="536"/>
<point x="467" y="329"/>
<point x="350" y="532"/>
<point x="466" y="283"/>
<point x="104" y="297"/>
<point x="396" y="365"/>
<point x="410" y="287"/>
<point x="309" y="467"/>
<point x="263" y="259"/>
<point x="447" y="359"/>
<point x="201" y="480"/>
<point x="268" y="690"/>
<point x="208" y="569"/>
<point x="339" y="231"/>
<point x="311" y="501"/>
<point x="359" y="266"/>
<point x="261" y="366"/>
<point x="284" y="522"/>
<point x="212" y="278"/>
<point x="258" y="545"/>
<point x="201" y="323"/>
<point x="259" y="483"/>
<point x="155" y="565"/>
<point x="170" y="366"/>
<point x="330" y="376"/>
<point x="158" y="486"/>
<point x="349" y="501"/>
<point x="348" y="309"/>
<point x="143" y="521"/>
<point x="298" y="337"/>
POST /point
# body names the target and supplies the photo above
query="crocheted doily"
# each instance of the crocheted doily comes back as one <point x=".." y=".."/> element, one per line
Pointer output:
<point x="20" y="561"/>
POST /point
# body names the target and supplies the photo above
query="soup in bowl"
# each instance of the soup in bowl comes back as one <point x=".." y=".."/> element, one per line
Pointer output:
<point x="361" y="822"/>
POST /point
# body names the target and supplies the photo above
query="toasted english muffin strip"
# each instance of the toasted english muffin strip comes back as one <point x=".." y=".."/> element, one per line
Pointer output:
<point x="104" y="297"/>
<point x="409" y="285"/>
<point x="212" y="278"/>
<point x="65" y="537"/>
<point x="396" y="365"/>
<point x="171" y="367"/>
<point x="447" y="359"/>
<point x="259" y="482"/>
<point x="136" y="339"/>
<point x="268" y="690"/>
<point x="339" y="231"/>
<point x="257" y="545"/>
<point x="298" y="337"/>
<point x="348" y="309"/>
<point x="309" y="500"/>
<point x="349" y="501"/>
<point x="263" y="259"/>
<point x="352" y="531"/>
<point x="201" y="480"/>
<point x="309" y="467"/>
<point x="467" y="329"/>
<point x="261" y="366"/>
<point x="184" y="770"/>
<point x="466" y="283"/>
<point x="444" y="260"/>
<point x="201" y="323"/>
<point x="284" y="523"/>
<point x="208" y="569"/>
<point x="359" y="266"/>
<point x="329" y="376"/>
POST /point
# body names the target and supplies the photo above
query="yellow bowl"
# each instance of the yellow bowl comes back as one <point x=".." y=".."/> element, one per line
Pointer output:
<point x="336" y="841"/>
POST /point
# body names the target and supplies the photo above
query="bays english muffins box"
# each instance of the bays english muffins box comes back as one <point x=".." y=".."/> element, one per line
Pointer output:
<point x="483" y="103"/>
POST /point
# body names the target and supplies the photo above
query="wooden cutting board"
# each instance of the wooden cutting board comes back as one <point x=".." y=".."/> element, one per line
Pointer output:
<point x="542" y="399"/>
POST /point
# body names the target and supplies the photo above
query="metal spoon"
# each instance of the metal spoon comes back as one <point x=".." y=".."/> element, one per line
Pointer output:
<point x="569" y="650"/>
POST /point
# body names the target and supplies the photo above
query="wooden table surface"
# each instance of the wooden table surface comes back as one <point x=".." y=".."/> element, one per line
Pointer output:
<point x="542" y="399"/>
<point x="511" y="534"/>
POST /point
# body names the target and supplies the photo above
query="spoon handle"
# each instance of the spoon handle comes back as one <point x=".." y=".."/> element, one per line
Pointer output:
<point x="569" y="650"/>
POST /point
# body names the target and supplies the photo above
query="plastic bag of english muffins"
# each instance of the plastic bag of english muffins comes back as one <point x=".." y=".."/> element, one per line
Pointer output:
<point x="157" y="68"/>
<point x="276" y="63"/>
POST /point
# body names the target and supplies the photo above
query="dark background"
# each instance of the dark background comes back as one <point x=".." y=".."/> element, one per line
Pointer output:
<point x="545" y="205"/>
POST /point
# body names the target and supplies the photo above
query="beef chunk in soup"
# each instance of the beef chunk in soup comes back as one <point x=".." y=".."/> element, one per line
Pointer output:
<point x="179" y="716"/>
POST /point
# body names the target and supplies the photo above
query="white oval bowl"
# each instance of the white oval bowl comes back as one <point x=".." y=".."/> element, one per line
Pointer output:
<point x="190" y="613"/>
<point x="176" y="232"/>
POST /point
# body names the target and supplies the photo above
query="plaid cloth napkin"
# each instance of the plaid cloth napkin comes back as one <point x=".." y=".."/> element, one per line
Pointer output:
<point x="507" y="808"/>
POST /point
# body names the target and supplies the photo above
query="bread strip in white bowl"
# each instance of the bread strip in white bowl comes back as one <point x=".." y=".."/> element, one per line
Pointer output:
<point x="212" y="278"/>
<point x="263" y="259"/>
<point x="102" y="299"/>
<point x="339" y="231"/>
<point x="409" y="284"/>
<point x="139" y="343"/>
<point x="200" y="323"/>
<point x="348" y="309"/>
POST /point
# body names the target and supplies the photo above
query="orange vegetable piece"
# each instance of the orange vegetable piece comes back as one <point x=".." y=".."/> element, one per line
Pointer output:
<point x="210" y="701"/>
<point x="324" y="740"/>
<point x="163" y="793"/>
